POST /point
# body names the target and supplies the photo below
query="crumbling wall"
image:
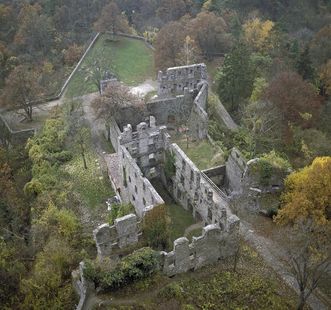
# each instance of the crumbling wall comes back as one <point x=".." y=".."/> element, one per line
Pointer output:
<point x="135" y="188"/>
<point x="234" y="171"/>
<point x="216" y="175"/>
<point x="194" y="193"/>
<point x="124" y="232"/>
<point x="176" y="79"/>
<point x="146" y="146"/>
<point x="10" y="137"/>
<point x="82" y="287"/>
<point x="214" y="244"/>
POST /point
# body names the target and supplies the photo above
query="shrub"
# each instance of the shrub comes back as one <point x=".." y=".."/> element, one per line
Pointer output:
<point x="155" y="228"/>
<point x="271" y="212"/>
<point x="119" y="211"/>
<point x="138" y="265"/>
<point x="172" y="290"/>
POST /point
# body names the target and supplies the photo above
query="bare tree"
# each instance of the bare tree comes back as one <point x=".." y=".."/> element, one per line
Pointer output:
<point x="308" y="256"/>
<point x="113" y="100"/>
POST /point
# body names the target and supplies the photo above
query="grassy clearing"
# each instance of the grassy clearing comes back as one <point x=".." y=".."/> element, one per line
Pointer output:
<point x="133" y="61"/>
<point x="253" y="286"/>
<point x="89" y="183"/>
<point x="180" y="220"/>
<point x="203" y="154"/>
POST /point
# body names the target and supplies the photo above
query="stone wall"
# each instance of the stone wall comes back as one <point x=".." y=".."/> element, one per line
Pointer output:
<point x="194" y="193"/>
<point x="10" y="137"/>
<point x="124" y="232"/>
<point x="135" y="188"/>
<point x="83" y="288"/>
<point x="216" y="174"/>
<point x="176" y="79"/>
<point x="234" y="171"/>
<point x="146" y="146"/>
<point x="214" y="244"/>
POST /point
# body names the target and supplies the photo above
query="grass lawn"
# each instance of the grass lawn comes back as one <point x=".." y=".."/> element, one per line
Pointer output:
<point x="203" y="154"/>
<point x="89" y="183"/>
<point x="133" y="61"/>
<point x="180" y="219"/>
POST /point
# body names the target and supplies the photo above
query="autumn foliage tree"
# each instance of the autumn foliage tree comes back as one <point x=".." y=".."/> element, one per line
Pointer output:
<point x="22" y="90"/>
<point x="308" y="194"/>
<point x="297" y="99"/>
<point x="258" y="34"/>
<point x="306" y="213"/>
<point x="112" y="20"/>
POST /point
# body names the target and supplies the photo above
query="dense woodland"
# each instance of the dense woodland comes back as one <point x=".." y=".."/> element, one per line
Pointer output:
<point x="269" y="64"/>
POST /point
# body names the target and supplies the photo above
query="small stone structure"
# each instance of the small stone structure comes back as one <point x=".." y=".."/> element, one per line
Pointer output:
<point x="124" y="232"/>
<point x="11" y="137"/>
<point x="214" y="244"/>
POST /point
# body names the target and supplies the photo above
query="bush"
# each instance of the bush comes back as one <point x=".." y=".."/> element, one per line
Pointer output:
<point x="138" y="265"/>
<point x="172" y="290"/>
<point x="271" y="212"/>
<point x="155" y="228"/>
<point x="119" y="211"/>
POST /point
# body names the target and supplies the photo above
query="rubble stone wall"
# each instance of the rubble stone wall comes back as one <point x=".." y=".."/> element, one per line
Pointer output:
<point x="194" y="193"/>
<point x="214" y="244"/>
<point x="124" y="232"/>
<point x="176" y="79"/>
<point x="234" y="171"/>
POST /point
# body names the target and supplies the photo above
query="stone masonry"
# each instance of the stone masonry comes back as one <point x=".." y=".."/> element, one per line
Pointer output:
<point x="123" y="233"/>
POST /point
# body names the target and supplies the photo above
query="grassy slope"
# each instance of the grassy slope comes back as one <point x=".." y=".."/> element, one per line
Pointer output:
<point x="133" y="61"/>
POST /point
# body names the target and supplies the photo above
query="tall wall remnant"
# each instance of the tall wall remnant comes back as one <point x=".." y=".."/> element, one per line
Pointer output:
<point x="140" y="155"/>
<point x="124" y="232"/>
<point x="176" y="79"/>
<point x="214" y="244"/>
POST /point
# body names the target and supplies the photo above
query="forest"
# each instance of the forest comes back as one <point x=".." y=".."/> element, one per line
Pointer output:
<point x="269" y="63"/>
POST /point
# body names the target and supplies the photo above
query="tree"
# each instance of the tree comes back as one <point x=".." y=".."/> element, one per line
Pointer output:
<point x="210" y="32"/>
<point x="297" y="99"/>
<point x="325" y="76"/>
<point x="235" y="78"/>
<point x="190" y="52"/>
<point x="262" y="120"/>
<point x="308" y="257"/>
<point x="168" y="45"/>
<point x="111" y="20"/>
<point x="305" y="66"/>
<point x="307" y="194"/>
<point x="98" y="68"/>
<point x="21" y="90"/>
<point x="305" y="212"/>
<point x="258" y="34"/>
<point x="36" y="32"/>
<point x="320" y="46"/>
<point x="82" y="138"/>
<point x="114" y="98"/>
<point x="170" y="10"/>
<point x="155" y="227"/>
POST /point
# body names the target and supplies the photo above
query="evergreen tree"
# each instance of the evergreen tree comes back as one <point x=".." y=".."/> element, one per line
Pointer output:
<point x="236" y="77"/>
<point x="305" y="66"/>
